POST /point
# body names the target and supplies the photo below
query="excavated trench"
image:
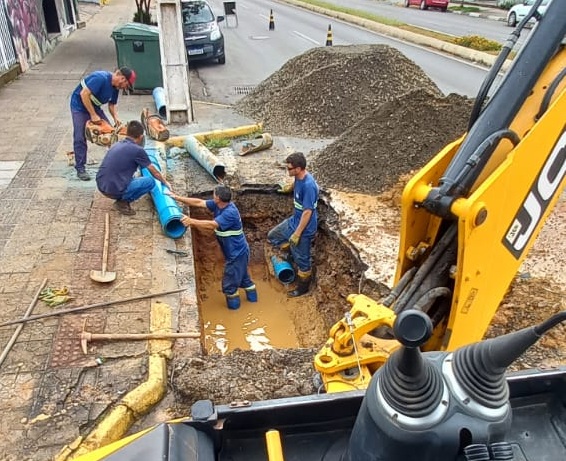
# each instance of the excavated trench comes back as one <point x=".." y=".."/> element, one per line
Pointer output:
<point x="275" y="321"/>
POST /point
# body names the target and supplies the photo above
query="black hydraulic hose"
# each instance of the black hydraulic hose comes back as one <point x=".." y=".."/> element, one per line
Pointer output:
<point x="446" y="240"/>
<point x="492" y="73"/>
<point x="426" y="300"/>
<point x="461" y="185"/>
<point x="398" y="289"/>
<point x="550" y="93"/>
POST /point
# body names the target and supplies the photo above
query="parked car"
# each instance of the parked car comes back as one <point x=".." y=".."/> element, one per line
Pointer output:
<point x="203" y="37"/>
<point x="426" y="4"/>
<point x="518" y="12"/>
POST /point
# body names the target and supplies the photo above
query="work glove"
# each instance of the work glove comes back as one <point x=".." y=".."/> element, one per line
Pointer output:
<point x="284" y="188"/>
<point x="55" y="297"/>
<point x="294" y="240"/>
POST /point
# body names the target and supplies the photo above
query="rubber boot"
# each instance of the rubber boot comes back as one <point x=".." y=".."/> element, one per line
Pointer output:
<point x="233" y="301"/>
<point x="251" y="294"/>
<point x="303" y="284"/>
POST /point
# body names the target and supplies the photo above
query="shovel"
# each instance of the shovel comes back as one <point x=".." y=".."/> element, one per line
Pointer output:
<point x="103" y="276"/>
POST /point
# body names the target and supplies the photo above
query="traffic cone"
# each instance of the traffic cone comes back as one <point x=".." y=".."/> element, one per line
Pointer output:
<point x="271" y="22"/>
<point x="329" y="35"/>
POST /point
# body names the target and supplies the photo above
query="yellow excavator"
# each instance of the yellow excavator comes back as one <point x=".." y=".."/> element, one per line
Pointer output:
<point x="470" y="216"/>
<point x="468" y="220"/>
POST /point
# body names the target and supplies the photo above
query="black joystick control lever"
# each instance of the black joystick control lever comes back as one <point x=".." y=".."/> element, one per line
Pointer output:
<point x="417" y="406"/>
<point x="480" y="368"/>
<point x="409" y="384"/>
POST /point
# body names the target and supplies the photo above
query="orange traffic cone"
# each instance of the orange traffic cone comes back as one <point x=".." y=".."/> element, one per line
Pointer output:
<point x="329" y="35"/>
<point x="271" y="21"/>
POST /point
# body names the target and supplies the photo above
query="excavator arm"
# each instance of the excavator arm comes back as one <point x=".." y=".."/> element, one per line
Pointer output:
<point x="470" y="216"/>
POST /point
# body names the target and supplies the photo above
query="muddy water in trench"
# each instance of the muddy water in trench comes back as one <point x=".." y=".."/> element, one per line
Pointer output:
<point x="254" y="326"/>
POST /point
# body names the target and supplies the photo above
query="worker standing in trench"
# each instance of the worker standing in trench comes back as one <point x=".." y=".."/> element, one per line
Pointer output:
<point x="296" y="233"/>
<point x="227" y="225"/>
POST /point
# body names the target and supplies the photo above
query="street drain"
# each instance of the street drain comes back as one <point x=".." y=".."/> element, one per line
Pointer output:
<point x="275" y="321"/>
<point x="243" y="89"/>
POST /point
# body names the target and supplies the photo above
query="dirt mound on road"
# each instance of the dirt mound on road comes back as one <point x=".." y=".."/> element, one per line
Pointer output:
<point x="400" y="136"/>
<point x="326" y="90"/>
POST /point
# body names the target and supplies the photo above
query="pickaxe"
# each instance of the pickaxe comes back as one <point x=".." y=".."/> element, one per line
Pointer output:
<point x="86" y="337"/>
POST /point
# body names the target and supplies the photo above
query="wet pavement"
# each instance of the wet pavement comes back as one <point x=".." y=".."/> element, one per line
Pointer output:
<point x="51" y="229"/>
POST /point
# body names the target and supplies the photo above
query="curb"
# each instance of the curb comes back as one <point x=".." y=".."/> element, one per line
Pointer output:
<point x="138" y="401"/>
<point x="482" y="15"/>
<point x="468" y="54"/>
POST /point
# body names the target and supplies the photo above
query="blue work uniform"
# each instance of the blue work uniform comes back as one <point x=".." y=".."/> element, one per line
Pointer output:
<point x="115" y="175"/>
<point x="235" y="248"/>
<point x="100" y="85"/>
<point x="305" y="197"/>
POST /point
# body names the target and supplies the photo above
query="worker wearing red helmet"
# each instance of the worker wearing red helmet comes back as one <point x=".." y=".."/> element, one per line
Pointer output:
<point x="96" y="89"/>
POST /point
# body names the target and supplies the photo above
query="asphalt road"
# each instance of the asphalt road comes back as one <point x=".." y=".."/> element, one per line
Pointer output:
<point x="253" y="52"/>
<point x="447" y="23"/>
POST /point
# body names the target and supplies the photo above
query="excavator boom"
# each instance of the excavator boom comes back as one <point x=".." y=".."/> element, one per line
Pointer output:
<point x="470" y="216"/>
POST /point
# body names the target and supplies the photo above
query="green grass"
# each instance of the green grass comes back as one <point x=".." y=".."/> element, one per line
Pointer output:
<point x="469" y="42"/>
<point x="465" y="9"/>
<point x="217" y="143"/>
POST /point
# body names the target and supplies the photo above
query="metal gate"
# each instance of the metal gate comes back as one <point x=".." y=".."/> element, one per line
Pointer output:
<point x="7" y="54"/>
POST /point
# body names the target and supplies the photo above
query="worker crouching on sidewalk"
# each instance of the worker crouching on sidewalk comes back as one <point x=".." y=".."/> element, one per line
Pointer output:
<point x="115" y="176"/>
<point x="297" y="232"/>
<point x="227" y="225"/>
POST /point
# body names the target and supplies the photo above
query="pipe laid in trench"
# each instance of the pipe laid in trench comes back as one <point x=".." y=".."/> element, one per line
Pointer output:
<point x="167" y="209"/>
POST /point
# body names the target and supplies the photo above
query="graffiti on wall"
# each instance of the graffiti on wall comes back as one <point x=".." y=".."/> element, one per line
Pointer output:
<point x="29" y="34"/>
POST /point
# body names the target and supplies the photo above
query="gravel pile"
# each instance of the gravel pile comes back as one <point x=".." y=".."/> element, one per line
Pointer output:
<point x="326" y="90"/>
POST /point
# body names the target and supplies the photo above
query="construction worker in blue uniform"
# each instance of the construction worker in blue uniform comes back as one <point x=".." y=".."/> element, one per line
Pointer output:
<point x="96" y="89"/>
<point x="296" y="233"/>
<point x="227" y="225"/>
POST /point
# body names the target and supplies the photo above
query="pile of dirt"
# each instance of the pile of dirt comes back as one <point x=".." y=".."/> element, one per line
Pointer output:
<point x="246" y="375"/>
<point x="399" y="136"/>
<point x="326" y="90"/>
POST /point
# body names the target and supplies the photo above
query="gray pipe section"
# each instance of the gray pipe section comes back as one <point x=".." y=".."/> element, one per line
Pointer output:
<point x="205" y="158"/>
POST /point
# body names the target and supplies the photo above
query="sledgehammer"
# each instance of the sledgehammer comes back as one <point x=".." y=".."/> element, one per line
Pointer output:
<point x="86" y="337"/>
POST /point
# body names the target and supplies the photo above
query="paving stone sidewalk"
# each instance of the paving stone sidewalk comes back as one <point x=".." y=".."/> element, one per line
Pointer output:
<point x="51" y="227"/>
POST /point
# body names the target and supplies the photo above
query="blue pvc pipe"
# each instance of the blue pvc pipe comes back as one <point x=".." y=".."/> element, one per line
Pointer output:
<point x="283" y="270"/>
<point x="167" y="209"/>
<point x="160" y="101"/>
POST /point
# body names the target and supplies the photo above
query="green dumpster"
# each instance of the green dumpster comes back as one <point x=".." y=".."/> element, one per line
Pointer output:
<point x="137" y="47"/>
